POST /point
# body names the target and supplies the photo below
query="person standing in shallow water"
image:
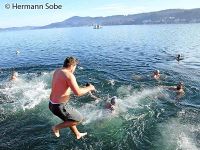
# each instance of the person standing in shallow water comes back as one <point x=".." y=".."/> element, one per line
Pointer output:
<point x="62" y="83"/>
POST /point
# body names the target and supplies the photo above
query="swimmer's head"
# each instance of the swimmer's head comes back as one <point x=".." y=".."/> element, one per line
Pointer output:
<point x="180" y="85"/>
<point x="113" y="100"/>
<point x="15" y="74"/>
<point x="178" y="57"/>
<point x="156" y="72"/>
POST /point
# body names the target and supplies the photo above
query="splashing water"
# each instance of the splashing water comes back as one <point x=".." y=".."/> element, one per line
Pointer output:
<point x="24" y="93"/>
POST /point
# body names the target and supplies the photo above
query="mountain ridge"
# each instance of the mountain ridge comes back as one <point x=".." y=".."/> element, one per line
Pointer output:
<point x="168" y="16"/>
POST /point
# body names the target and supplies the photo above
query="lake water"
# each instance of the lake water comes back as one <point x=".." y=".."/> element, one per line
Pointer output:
<point x="119" y="61"/>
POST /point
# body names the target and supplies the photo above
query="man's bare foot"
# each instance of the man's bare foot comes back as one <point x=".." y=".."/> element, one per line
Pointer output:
<point x="81" y="135"/>
<point x="55" y="131"/>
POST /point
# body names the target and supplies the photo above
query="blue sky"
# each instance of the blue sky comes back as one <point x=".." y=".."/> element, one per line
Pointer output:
<point x="16" y="18"/>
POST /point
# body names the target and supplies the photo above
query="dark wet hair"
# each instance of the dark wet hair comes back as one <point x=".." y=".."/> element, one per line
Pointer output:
<point x="113" y="100"/>
<point x="70" y="61"/>
<point x="156" y="72"/>
<point x="179" y="57"/>
<point x="87" y="84"/>
<point x="179" y="86"/>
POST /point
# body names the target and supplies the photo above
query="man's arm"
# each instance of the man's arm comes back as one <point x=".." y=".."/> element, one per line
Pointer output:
<point x="76" y="89"/>
<point x="93" y="96"/>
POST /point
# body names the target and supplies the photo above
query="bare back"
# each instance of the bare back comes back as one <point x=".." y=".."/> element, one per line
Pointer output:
<point x="60" y="92"/>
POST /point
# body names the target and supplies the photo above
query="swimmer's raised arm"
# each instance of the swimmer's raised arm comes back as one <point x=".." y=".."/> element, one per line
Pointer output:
<point x="169" y="87"/>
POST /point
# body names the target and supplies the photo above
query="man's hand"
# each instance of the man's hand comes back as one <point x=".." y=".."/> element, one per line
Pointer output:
<point x="92" y="88"/>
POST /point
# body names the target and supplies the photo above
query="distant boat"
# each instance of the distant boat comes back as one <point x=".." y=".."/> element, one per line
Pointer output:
<point x="97" y="26"/>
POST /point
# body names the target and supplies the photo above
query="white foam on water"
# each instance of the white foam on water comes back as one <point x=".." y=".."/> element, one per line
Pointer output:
<point x="137" y="77"/>
<point x="178" y="135"/>
<point x="34" y="95"/>
<point x="26" y="92"/>
<point x="124" y="90"/>
<point x="81" y="68"/>
<point x="111" y="82"/>
<point x="186" y="143"/>
<point x="93" y="111"/>
<point x="133" y="99"/>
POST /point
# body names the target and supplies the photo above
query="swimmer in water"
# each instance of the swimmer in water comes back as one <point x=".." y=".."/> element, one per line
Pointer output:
<point x="14" y="76"/>
<point x="179" y="89"/>
<point x="112" y="104"/>
<point x="178" y="58"/>
<point x="156" y="74"/>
